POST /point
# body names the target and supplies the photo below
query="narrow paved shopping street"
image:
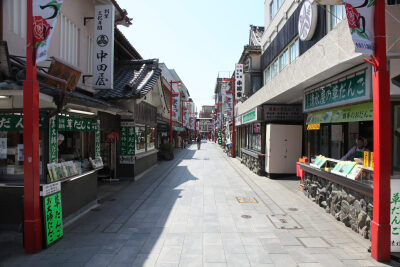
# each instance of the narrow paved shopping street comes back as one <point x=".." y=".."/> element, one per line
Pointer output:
<point x="185" y="212"/>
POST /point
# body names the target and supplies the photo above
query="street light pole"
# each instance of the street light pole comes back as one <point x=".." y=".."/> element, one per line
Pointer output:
<point x="380" y="226"/>
<point x="170" y="108"/>
<point x="233" y="116"/>
<point x="32" y="217"/>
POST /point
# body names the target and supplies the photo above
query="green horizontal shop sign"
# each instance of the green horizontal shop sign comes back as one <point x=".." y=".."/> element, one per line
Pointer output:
<point x="250" y="116"/>
<point x="359" y="112"/>
<point x="347" y="90"/>
<point x="14" y="122"/>
<point x="75" y="124"/>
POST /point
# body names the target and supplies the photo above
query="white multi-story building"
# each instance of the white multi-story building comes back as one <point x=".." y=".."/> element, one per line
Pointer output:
<point x="317" y="81"/>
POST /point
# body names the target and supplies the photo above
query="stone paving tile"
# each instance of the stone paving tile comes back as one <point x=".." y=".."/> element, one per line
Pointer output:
<point x="185" y="213"/>
<point x="170" y="254"/>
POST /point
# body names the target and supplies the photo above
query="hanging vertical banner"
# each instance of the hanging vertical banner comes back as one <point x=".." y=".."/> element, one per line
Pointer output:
<point x="127" y="143"/>
<point x="103" y="58"/>
<point x="360" y="17"/>
<point x="239" y="81"/>
<point x="228" y="103"/>
<point x="53" y="142"/>
<point x="186" y="116"/>
<point x="45" y="13"/>
<point x="97" y="141"/>
<point x="175" y="106"/>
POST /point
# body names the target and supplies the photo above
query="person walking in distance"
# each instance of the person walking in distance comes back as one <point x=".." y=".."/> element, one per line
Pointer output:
<point x="198" y="142"/>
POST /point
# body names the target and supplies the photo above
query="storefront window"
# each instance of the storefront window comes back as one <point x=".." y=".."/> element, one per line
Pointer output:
<point x="12" y="153"/>
<point x="254" y="136"/>
<point x="150" y="139"/>
<point x="140" y="139"/>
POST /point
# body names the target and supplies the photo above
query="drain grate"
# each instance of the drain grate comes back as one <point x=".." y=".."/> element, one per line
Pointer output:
<point x="284" y="221"/>
<point x="246" y="200"/>
<point x="246" y="216"/>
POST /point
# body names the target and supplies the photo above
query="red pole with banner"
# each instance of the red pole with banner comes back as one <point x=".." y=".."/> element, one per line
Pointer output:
<point x="32" y="216"/>
<point x="380" y="226"/>
<point x="170" y="113"/>
<point x="233" y="116"/>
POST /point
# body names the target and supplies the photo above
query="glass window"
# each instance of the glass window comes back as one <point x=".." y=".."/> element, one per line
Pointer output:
<point x="294" y="51"/>
<point x="283" y="60"/>
<point x="274" y="69"/>
<point x="140" y="139"/>
<point x="267" y="75"/>
<point x="337" y="14"/>
<point x="273" y="9"/>
<point x="151" y="137"/>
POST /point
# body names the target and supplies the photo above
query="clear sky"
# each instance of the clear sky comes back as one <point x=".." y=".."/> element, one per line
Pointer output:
<point x="196" y="38"/>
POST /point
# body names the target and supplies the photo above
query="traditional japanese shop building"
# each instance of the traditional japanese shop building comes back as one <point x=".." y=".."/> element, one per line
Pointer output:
<point x="72" y="121"/>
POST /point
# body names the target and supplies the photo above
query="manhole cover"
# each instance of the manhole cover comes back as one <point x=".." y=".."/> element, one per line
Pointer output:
<point x="292" y="209"/>
<point x="246" y="200"/>
<point x="246" y="216"/>
<point x="284" y="221"/>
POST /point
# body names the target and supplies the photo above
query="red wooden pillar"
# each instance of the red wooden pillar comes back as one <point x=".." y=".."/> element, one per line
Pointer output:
<point x="380" y="227"/>
<point x="32" y="217"/>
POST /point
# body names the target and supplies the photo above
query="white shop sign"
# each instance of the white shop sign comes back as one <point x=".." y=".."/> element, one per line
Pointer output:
<point x="103" y="58"/>
<point x="239" y="90"/>
<point x="49" y="189"/>
<point x="307" y="20"/>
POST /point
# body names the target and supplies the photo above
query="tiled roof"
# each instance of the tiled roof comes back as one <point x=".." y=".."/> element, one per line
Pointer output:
<point x="256" y="34"/>
<point x="133" y="79"/>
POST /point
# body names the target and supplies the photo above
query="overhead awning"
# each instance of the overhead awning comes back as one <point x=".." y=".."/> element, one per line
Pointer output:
<point x="359" y="112"/>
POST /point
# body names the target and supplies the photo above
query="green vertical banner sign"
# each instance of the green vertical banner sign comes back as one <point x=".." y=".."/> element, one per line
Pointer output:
<point x="219" y="138"/>
<point x="97" y="141"/>
<point x="53" y="144"/>
<point x="52" y="212"/>
<point x="127" y="143"/>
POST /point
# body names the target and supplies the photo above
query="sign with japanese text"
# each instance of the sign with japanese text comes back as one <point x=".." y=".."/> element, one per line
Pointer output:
<point x="175" y="106"/>
<point x="344" y="91"/>
<point x="227" y="100"/>
<point x="127" y="143"/>
<point x="283" y="113"/>
<point x="315" y="126"/>
<point x="97" y="142"/>
<point x="49" y="189"/>
<point x="395" y="214"/>
<point x="360" y="17"/>
<point x="65" y="72"/>
<point x="239" y="86"/>
<point x="249" y="116"/>
<point x="103" y="58"/>
<point x="53" y="142"/>
<point x="45" y="13"/>
<point x="13" y="122"/>
<point x="52" y="211"/>
<point x="359" y="112"/>
<point x="75" y="124"/>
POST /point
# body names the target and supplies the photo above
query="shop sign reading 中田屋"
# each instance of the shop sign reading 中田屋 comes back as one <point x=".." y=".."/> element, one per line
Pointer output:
<point x="103" y="58"/>
<point x="347" y="90"/>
